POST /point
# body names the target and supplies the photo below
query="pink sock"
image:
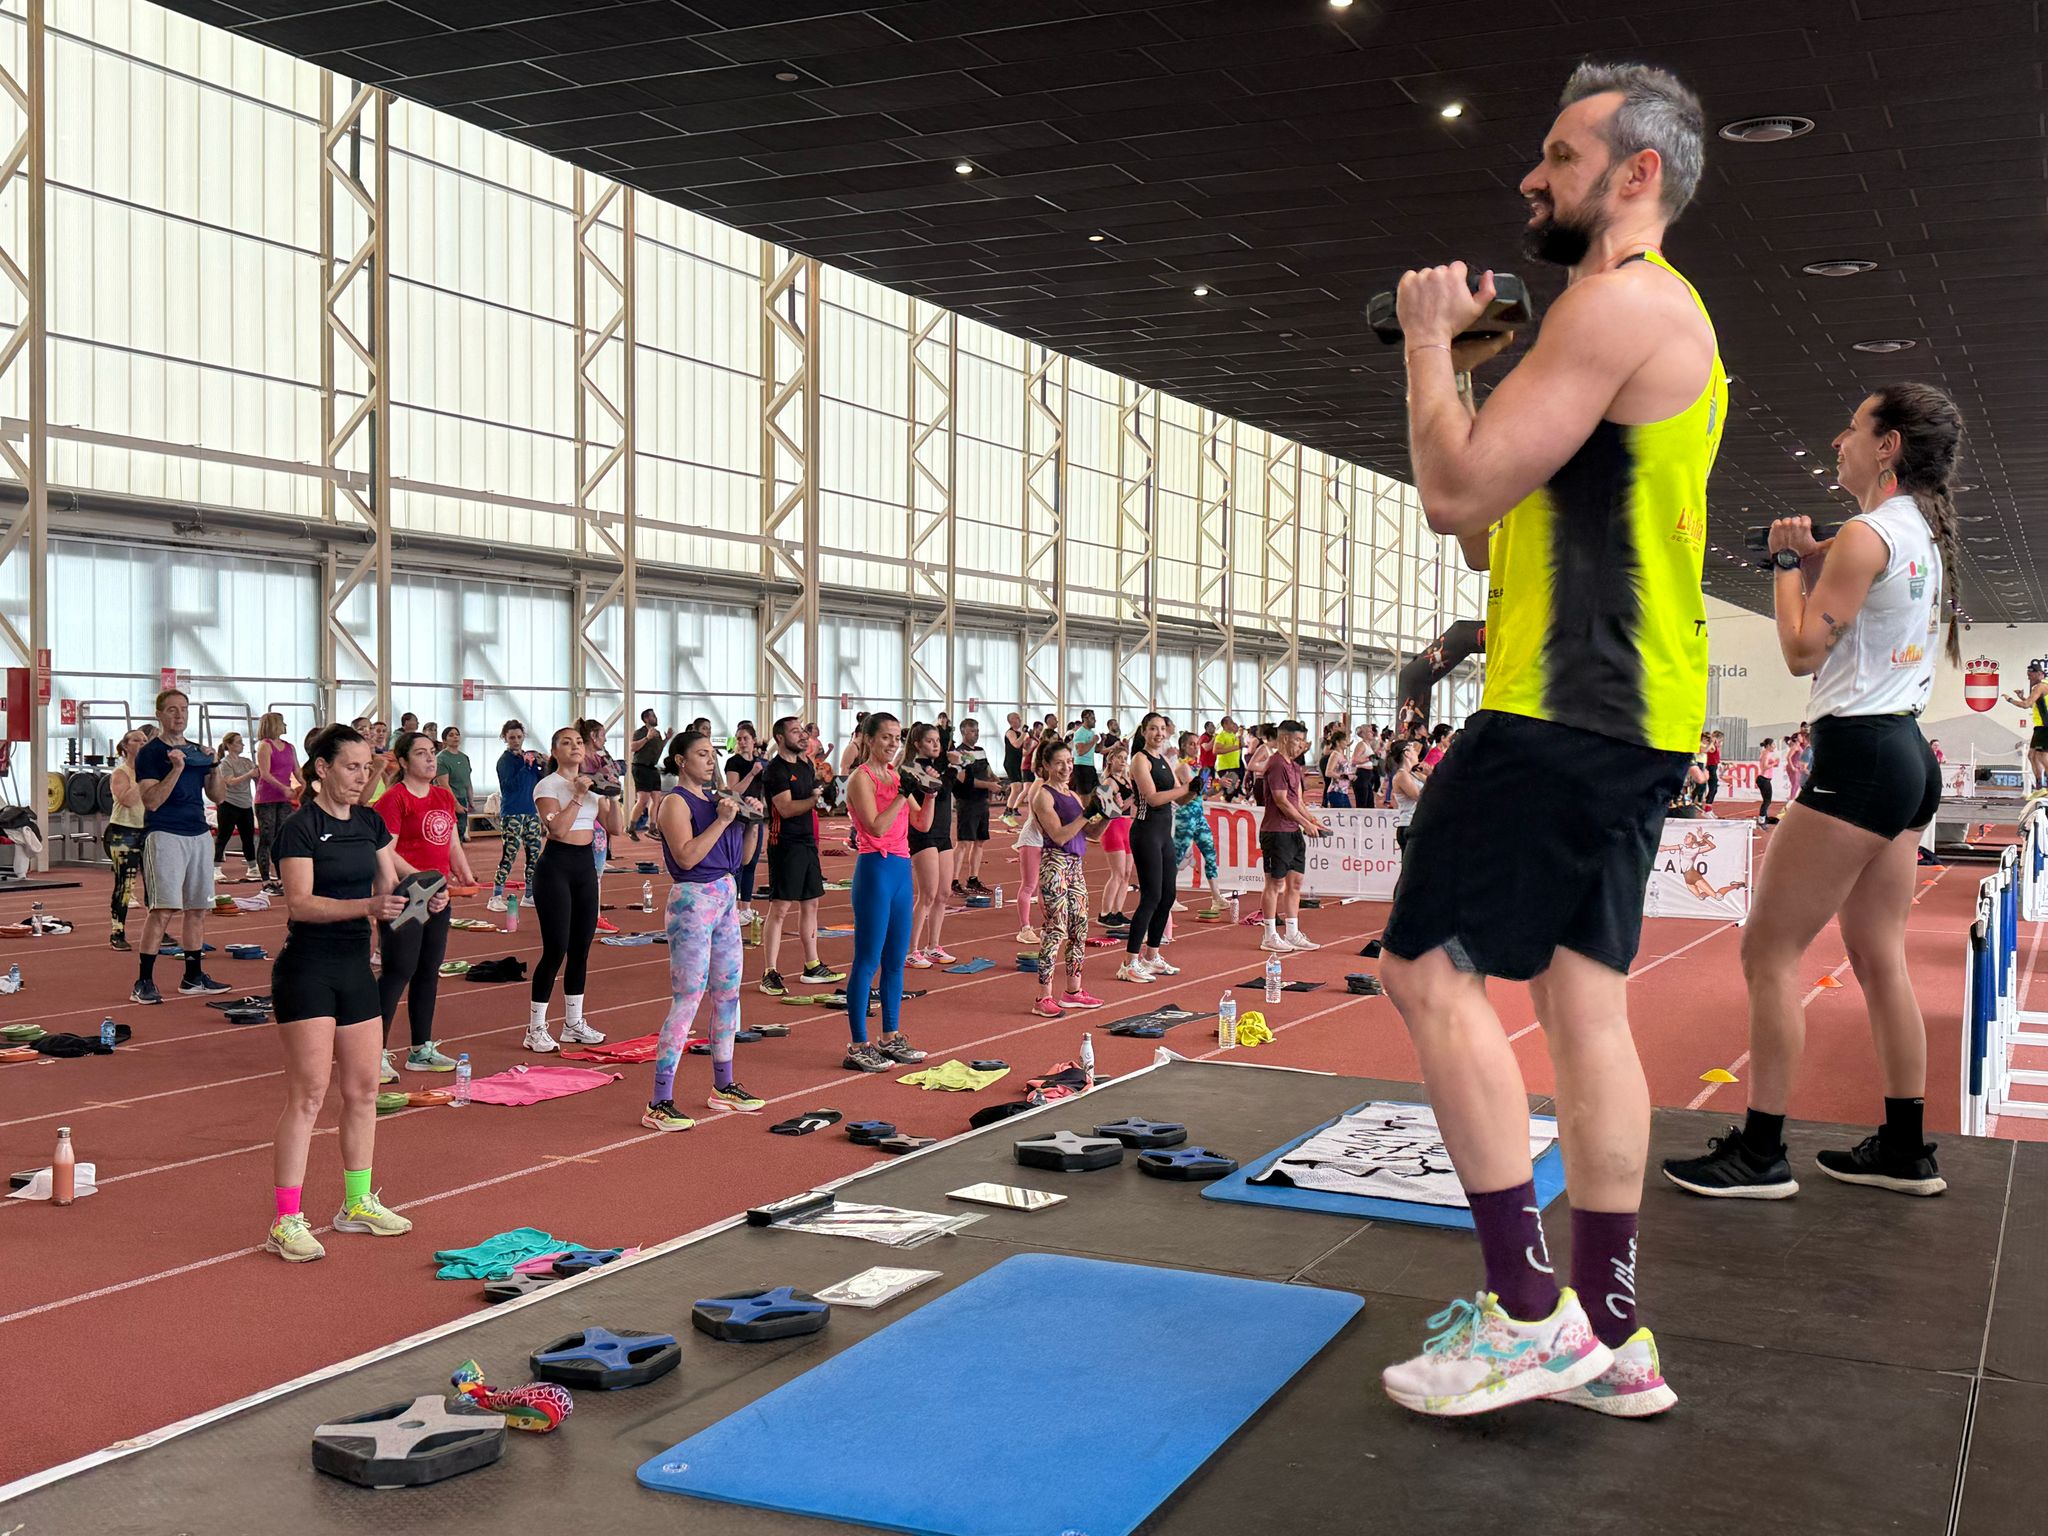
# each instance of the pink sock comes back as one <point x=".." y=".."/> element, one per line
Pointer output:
<point x="287" y="1200"/>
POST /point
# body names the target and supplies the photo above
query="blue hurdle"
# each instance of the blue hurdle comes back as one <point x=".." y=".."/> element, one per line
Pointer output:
<point x="1994" y="1024"/>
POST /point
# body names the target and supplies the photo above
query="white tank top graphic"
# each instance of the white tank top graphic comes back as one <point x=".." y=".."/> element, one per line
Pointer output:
<point x="1884" y="665"/>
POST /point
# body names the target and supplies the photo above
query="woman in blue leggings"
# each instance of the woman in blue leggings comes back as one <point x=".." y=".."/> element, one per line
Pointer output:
<point x="885" y="803"/>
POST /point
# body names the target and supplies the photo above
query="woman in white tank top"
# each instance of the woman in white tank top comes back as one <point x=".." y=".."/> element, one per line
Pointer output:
<point x="1862" y="614"/>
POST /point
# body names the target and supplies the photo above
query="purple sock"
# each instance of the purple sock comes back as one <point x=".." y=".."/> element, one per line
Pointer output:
<point x="1510" y="1226"/>
<point x="664" y="1084"/>
<point x="1604" y="1271"/>
<point x="721" y="1074"/>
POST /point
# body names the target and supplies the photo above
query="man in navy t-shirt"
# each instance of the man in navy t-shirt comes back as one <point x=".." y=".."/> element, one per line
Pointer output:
<point x="176" y="778"/>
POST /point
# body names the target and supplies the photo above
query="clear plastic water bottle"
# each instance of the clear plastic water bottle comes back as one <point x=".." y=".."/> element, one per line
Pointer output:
<point x="512" y="913"/>
<point x="461" y="1082"/>
<point x="106" y="1034"/>
<point x="646" y="895"/>
<point x="997" y="904"/>
<point x="1226" y="1019"/>
<point x="1088" y="1052"/>
<point x="1272" y="978"/>
<point x="36" y="918"/>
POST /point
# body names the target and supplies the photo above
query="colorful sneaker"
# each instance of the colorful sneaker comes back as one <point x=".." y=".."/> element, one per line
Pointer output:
<point x="538" y="1039"/>
<point x="734" y="1097"/>
<point x="1871" y="1162"/>
<point x="367" y="1213"/>
<point x="1136" y="972"/>
<point x="1027" y="935"/>
<point x="1162" y="967"/>
<point x="941" y="957"/>
<point x="917" y="960"/>
<point x="1481" y="1359"/>
<point x="1071" y="1001"/>
<point x="581" y="1033"/>
<point x="495" y="904"/>
<point x="823" y="975"/>
<point x="771" y="984"/>
<point x="386" y="1073"/>
<point x="664" y="1116"/>
<point x="896" y="1048"/>
<point x="606" y="925"/>
<point x="428" y="1058"/>
<point x="1046" y="1008"/>
<point x="1631" y="1388"/>
<point x="865" y="1058"/>
<point x="202" y="985"/>
<point x="1732" y="1170"/>
<point x="291" y="1239"/>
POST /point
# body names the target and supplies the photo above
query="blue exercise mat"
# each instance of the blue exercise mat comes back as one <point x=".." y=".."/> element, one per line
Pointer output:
<point x="1239" y="1189"/>
<point x="1047" y="1395"/>
<point x="972" y="967"/>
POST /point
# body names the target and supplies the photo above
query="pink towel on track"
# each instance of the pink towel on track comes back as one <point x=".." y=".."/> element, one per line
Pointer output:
<point x="530" y="1085"/>
<point x="639" y="1048"/>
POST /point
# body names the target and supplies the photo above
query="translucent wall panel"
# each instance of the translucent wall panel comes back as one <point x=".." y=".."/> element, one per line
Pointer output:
<point x="691" y="659"/>
<point x="862" y="662"/>
<point x="988" y="671"/>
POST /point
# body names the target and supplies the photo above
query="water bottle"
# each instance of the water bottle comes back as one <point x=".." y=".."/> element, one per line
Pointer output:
<point x="461" y="1082"/>
<point x="106" y="1034"/>
<point x="36" y="919"/>
<point x="1226" y="1019"/>
<point x="997" y="904"/>
<point x="512" y="913"/>
<point x="646" y="895"/>
<point x="1233" y="909"/>
<point x="63" y="1169"/>
<point x="1088" y="1053"/>
<point x="1272" y="978"/>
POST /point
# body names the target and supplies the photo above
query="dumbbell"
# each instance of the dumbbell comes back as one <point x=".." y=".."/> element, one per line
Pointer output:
<point x="1511" y="309"/>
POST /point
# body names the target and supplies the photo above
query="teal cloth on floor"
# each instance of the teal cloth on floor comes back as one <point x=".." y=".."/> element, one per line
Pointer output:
<point x="1003" y="1443"/>
<point x="972" y="967"/>
<point x="495" y="1256"/>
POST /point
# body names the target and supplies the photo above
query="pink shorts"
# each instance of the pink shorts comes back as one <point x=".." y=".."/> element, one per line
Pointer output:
<point x="1116" y="837"/>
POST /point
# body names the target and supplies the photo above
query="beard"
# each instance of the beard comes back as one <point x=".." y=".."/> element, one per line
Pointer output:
<point x="1563" y="240"/>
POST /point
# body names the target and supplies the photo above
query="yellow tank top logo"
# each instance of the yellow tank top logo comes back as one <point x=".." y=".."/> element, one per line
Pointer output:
<point x="1691" y="528"/>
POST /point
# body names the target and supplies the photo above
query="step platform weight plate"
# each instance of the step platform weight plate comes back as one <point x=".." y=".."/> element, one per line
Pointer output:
<point x="1189" y="1164"/>
<point x="1145" y="1134"/>
<point x="607" y="1361"/>
<point x="1064" y="1152"/>
<point x="755" y="1317"/>
<point x="408" y="1445"/>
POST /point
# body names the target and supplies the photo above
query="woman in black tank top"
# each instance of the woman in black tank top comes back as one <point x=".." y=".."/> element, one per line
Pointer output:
<point x="1160" y="782"/>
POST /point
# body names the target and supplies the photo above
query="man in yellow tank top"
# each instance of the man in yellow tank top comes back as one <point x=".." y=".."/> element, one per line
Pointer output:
<point x="1580" y="487"/>
<point x="2034" y="700"/>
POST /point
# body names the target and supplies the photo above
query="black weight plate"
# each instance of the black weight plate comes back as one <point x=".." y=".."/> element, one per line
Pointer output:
<point x="81" y="792"/>
<point x="607" y="1361"/>
<point x="106" y="795"/>
<point x="865" y="1133"/>
<point x="754" y="1317"/>
<point x="408" y="1444"/>
<point x="1064" y="1152"/>
<point x="1186" y="1163"/>
<point x="512" y="1287"/>
<point x="1139" y="1133"/>
<point x="584" y="1260"/>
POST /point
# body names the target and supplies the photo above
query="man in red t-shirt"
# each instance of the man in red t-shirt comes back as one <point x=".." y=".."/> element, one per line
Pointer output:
<point x="1284" y="830"/>
<point x="1205" y="756"/>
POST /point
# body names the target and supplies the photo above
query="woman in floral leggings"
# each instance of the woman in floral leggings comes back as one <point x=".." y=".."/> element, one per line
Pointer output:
<point x="518" y="822"/>
<point x="1062" y="886"/>
<point x="702" y="839"/>
<point x="1191" y="829"/>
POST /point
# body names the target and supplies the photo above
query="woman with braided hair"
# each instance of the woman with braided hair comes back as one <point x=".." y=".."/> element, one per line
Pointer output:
<point x="1862" y="614"/>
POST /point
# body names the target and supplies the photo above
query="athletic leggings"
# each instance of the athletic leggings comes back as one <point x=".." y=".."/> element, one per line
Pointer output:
<point x="746" y="875"/>
<point x="412" y="953"/>
<point x="228" y="820"/>
<point x="1191" y="830"/>
<point x="124" y="847"/>
<point x="271" y="815"/>
<point x="881" y="939"/>
<point x="564" y="892"/>
<point x="1152" y="852"/>
<point x="703" y="955"/>
<point x="1763" y="788"/>
<point x="1063" y="891"/>
<point x="518" y="832"/>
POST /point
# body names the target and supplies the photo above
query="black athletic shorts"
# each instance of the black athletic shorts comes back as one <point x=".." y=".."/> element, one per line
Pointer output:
<point x="2038" y="742"/>
<point x="970" y="821"/>
<point x="1876" y="772"/>
<point x="647" y="778"/>
<point x="325" y="978"/>
<point x="1532" y="837"/>
<point x="938" y="839"/>
<point x="794" y="873"/>
<point x="1284" y="851"/>
<point x="1086" y="780"/>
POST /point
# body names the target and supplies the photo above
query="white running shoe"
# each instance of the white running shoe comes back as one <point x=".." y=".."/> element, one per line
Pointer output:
<point x="1300" y="941"/>
<point x="1135" y="971"/>
<point x="581" y="1033"/>
<point x="1631" y="1388"/>
<point x="1162" y="967"/>
<point x="1275" y="943"/>
<point x="387" y="1073"/>
<point x="538" y="1039"/>
<point x="495" y="904"/>
<point x="1481" y="1359"/>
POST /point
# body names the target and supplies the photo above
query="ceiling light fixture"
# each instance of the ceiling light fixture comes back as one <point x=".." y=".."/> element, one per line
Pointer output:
<point x="1202" y="291"/>
<point x="963" y="169"/>
<point x="1340" y="5"/>
<point x="1771" y="129"/>
<point x="1097" y="239"/>
<point x="1452" y="110"/>
<point x="1843" y="268"/>
<point x="786" y="76"/>
<point x="1886" y="344"/>
<point x="1798" y="453"/>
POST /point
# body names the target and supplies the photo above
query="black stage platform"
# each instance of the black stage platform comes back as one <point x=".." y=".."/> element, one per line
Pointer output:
<point x="1848" y="1361"/>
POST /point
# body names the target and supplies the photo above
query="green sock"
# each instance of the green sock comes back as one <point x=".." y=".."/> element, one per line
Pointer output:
<point x="355" y="1184"/>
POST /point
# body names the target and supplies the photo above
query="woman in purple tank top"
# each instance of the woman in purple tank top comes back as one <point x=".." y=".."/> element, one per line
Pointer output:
<point x="276" y="761"/>
<point x="1062" y="886"/>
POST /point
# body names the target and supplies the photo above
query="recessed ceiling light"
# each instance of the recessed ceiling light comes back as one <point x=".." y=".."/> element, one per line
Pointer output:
<point x="1834" y="487"/>
<point x="786" y="75"/>
<point x="1771" y="129"/>
<point x="963" y="169"/>
<point x="1096" y="239"/>
<point x="1843" y="268"/>
<point x="1818" y="470"/>
<point x="1340" y="5"/>
<point x="1886" y="344"/>
<point x="1202" y="291"/>
<point x="1452" y="109"/>
<point x="1798" y="453"/>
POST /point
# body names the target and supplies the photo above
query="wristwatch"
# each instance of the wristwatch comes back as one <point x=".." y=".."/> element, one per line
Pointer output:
<point x="1785" y="560"/>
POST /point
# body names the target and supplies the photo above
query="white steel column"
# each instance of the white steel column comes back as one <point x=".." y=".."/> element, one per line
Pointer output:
<point x="1281" y="605"/>
<point x="356" y="300"/>
<point x="1213" y="594"/>
<point x="790" y="308"/>
<point x="25" y="531"/>
<point x="1335" y="618"/>
<point x="1383" y="594"/>
<point x="932" y="539"/>
<point x="1045" y="532"/>
<point x="605" y="391"/>
<point x="1136" y="578"/>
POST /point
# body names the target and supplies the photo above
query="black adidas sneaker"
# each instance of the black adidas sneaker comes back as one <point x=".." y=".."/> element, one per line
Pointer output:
<point x="1908" y="1171"/>
<point x="1732" y="1170"/>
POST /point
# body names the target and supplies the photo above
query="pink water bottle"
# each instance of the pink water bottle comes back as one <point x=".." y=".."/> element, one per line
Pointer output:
<point x="512" y="913"/>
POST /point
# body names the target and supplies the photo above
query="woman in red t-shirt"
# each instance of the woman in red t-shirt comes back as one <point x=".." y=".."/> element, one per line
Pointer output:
<point x="422" y="818"/>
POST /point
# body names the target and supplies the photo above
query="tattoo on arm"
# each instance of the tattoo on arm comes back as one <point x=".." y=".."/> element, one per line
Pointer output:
<point x="1836" y="628"/>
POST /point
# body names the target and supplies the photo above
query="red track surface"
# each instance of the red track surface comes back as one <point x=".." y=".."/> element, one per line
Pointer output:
<point x="160" y="1283"/>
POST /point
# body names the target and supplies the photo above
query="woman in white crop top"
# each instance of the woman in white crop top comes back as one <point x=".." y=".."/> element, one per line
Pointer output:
<point x="565" y="903"/>
<point x="1862" y="614"/>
